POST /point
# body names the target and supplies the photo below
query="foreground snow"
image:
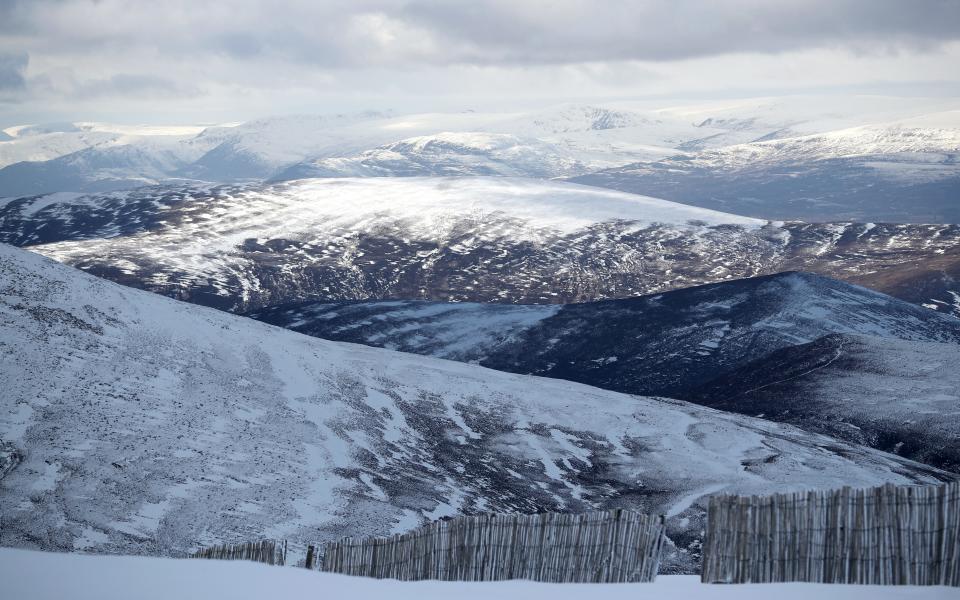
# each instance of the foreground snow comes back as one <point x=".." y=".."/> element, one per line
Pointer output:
<point x="124" y="577"/>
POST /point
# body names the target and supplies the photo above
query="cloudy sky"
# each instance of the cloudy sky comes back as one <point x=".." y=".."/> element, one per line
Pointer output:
<point x="210" y="61"/>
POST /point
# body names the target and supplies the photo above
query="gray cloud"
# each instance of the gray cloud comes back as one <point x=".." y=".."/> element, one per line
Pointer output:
<point x="12" y="69"/>
<point x="260" y="53"/>
<point x="133" y="85"/>
<point x="584" y="30"/>
<point x="238" y="44"/>
<point x="14" y="16"/>
<point x="484" y="32"/>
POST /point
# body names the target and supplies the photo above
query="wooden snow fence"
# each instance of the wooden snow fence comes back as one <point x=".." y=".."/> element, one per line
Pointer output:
<point x="599" y="547"/>
<point x="890" y="535"/>
<point x="268" y="551"/>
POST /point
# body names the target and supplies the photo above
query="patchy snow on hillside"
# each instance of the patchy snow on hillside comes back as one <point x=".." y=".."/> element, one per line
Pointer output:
<point x="417" y="221"/>
<point x="464" y="331"/>
<point x="664" y="345"/>
<point x="426" y="203"/>
<point x="148" y="425"/>
<point x="247" y="246"/>
<point x="895" y="395"/>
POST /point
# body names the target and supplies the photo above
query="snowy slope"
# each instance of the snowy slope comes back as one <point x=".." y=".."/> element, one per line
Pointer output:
<point x="661" y="345"/>
<point x="755" y="119"/>
<point x="480" y="239"/>
<point x="463" y="331"/>
<point x="928" y="138"/>
<point x="739" y="345"/>
<point x="22" y="132"/>
<point x="106" y="167"/>
<point x="466" y="239"/>
<point x="446" y="154"/>
<point x="88" y="157"/>
<point x="667" y="343"/>
<point x="895" y="395"/>
<point x="575" y="118"/>
<point x="148" y="425"/>
<point x="124" y="577"/>
<point x="43" y="142"/>
<point x="929" y="134"/>
<point x="421" y="203"/>
<point x="260" y="148"/>
<point x="458" y="238"/>
<point x="43" y="147"/>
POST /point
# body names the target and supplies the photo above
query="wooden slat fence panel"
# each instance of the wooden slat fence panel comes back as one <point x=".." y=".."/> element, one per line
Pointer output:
<point x="611" y="546"/>
<point x="267" y="551"/>
<point x="890" y="535"/>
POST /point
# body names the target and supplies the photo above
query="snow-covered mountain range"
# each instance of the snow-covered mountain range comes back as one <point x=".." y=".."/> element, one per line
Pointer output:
<point x="75" y="157"/>
<point x="562" y="140"/>
<point x="486" y="239"/>
<point x="38" y="143"/>
<point x="135" y="423"/>
<point x="450" y="154"/>
<point x="131" y="422"/>
<point x="901" y="171"/>
<point x="798" y="158"/>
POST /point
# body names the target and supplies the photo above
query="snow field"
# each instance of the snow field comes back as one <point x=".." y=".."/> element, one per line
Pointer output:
<point x="27" y="574"/>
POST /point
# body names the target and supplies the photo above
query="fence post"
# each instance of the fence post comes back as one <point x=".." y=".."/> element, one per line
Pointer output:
<point x="309" y="562"/>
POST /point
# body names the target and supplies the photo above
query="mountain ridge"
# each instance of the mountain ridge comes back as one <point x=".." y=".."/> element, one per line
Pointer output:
<point x="170" y="415"/>
<point x="462" y="239"/>
<point x="700" y="344"/>
<point x="755" y="315"/>
<point x="893" y="141"/>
